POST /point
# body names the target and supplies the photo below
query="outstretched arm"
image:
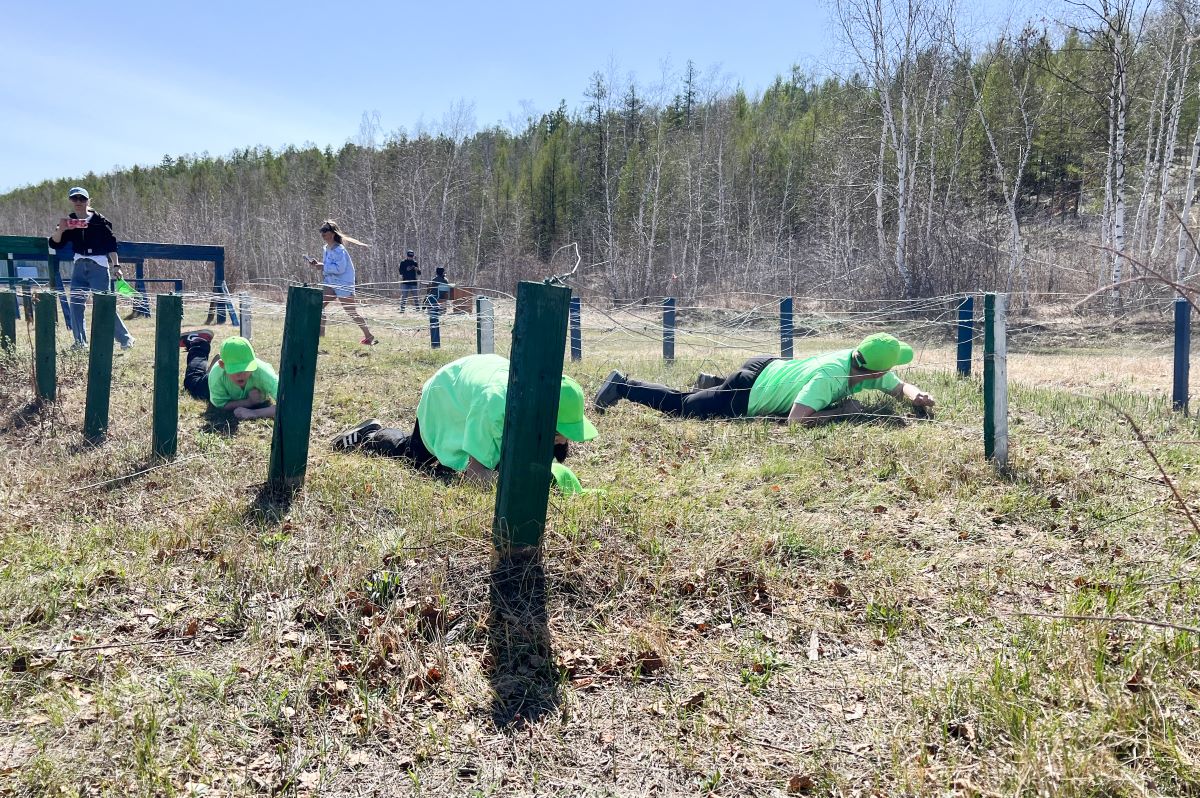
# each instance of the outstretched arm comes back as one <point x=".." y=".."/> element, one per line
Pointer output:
<point x="913" y="395"/>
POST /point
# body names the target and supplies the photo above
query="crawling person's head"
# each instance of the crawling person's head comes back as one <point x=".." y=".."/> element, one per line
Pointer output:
<point x="238" y="360"/>
<point x="879" y="353"/>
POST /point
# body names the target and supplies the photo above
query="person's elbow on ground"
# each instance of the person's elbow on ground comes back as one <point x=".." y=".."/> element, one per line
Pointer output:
<point x="478" y="474"/>
<point x="802" y="414"/>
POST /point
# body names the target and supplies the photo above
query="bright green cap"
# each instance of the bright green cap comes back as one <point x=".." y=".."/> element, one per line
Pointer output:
<point x="571" y="423"/>
<point x="237" y="355"/>
<point x="881" y="352"/>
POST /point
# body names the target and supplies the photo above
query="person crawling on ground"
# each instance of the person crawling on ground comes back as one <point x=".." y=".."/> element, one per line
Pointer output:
<point x="460" y="424"/>
<point x="233" y="380"/>
<point x="815" y="390"/>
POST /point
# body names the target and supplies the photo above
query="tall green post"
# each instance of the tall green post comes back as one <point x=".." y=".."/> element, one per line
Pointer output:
<point x="45" y="366"/>
<point x="297" y="376"/>
<point x="164" y="431"/>
<point x="8" y="319"/>
<point x="99" y="384"/>
<point x="995" y="380"/>
<point x="530" y="414"/>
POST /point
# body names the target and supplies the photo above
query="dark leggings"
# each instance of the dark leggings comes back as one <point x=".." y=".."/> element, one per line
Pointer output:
<point x="391" y="442"/>
<point x="195" y="376"/>
<point x="730" y="399"/>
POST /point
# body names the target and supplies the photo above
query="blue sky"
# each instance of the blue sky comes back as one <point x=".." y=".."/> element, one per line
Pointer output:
<point x="92" y="87"/>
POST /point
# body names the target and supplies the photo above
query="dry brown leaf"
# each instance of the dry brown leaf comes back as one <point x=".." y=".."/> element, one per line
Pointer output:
<point x="800" y="784"/>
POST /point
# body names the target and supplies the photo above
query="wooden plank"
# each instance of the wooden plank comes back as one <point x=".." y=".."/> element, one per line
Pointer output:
<point x="531" y="410"/>
<point x="45" y="365"/>
<point x="8" y="320"/>
<point x="297" y="377"/>
<point x="100" y="354"/>
<point x="164" y="437"/>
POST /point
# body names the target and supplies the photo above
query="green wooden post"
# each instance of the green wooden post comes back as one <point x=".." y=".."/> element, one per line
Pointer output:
<point x="164" y="431"/>
<point x="297" y="375"/>
<point x="8" y="319"/>
<point x="99" y="384"/>
<point x="995" y="380"/>
<point x="45" y="367"/>
<point x="531" y="410"/>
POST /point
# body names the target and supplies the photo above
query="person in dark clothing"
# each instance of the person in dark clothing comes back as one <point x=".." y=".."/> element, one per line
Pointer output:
<point x="409" y="269"/>
<point x="440" y="289"/>
<point x="95" y="246"/>
<point x="234" y="380"/>
<point x="813" y="390"/>
<point x="195" y="375"/>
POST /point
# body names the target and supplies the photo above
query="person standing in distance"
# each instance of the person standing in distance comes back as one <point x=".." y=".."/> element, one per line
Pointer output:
<point x="91" y="237"/>
<point x="338" y="277"/>
<point x="409" y="269"/>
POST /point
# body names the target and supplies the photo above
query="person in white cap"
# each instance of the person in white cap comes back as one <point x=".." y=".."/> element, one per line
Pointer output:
<point x="91" y="237"/>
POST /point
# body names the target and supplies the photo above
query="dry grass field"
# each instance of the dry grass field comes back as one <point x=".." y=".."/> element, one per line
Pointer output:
<point x="863" y="609"/>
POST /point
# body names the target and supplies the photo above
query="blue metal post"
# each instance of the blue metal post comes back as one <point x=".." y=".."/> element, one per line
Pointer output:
<point x="435" y="322"/>
<point x="668" y="323"/>
<point x="218" y="281"/>
<point x="785" y="327"/>
<point x="576" y="330"/>
<point x="966" y="334"/>
<point x="1183" y="352"/>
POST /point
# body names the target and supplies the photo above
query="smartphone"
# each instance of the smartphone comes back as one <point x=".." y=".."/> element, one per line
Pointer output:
<point x="76" y="223"/>
<point x="310" y="261"/>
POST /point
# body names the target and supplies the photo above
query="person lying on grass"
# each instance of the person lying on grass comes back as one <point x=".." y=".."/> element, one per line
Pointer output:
<point x="460" y="424"/>
<point x="811" y="391"/>
<point x="233" y="380"/>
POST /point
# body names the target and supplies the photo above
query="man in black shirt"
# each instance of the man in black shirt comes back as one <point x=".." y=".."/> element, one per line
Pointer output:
<point x="408" y="281"/>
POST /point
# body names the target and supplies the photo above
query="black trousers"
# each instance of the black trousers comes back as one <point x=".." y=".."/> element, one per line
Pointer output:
<point x="391" y="442"/>
<point x="195" y="375"/>
<point x="730" y="399"/>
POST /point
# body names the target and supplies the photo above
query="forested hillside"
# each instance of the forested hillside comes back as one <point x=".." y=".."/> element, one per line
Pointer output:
<point x="1034" y="161"/>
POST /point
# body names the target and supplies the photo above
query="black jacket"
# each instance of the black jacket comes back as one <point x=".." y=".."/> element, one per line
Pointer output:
<point x="95" y="239"/>
<point x="409" y="269"/>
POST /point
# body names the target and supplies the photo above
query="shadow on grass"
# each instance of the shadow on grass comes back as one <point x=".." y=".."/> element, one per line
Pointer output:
<point x="523" y="677"/>
<point x="218" y="422"/>
<point x="24" y="416"/>
<point x="271" y="505"/>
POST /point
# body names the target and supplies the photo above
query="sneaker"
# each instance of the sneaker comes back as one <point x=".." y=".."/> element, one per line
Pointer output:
<point x="128" y="344"/>
<point x="186" y="339"/>
<point x="354" y="437"/>
<point x="705" y="381"/>
<point x="369" y="341"/>
<point x="610" y="391"/>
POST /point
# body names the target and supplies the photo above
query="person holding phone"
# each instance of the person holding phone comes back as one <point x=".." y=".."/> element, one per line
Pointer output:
<point x="91" y="237"/>
<point x="409" y="269"/>
<point x="338" y="277"/>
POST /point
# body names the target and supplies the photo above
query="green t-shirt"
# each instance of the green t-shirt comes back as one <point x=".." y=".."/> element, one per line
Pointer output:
<point x="222" y="390"/>
<point x="817" y="382"/>
<point x="461" y="411"/>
